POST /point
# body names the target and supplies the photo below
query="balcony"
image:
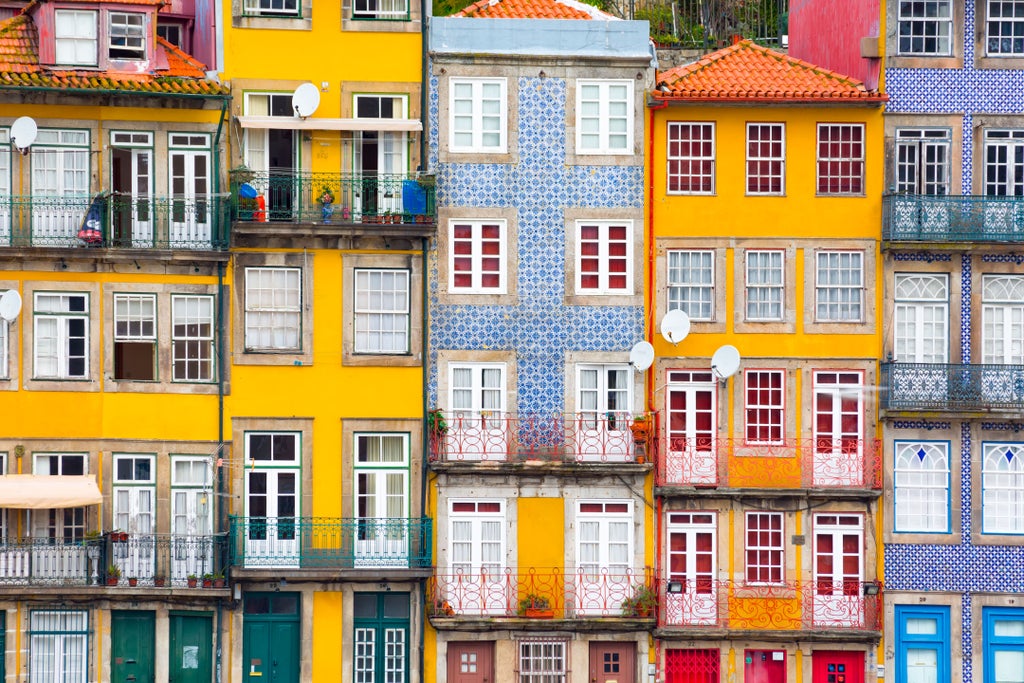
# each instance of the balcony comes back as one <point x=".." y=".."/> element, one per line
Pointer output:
<point x="148" y="560"/>
<point x="330" y="543"/>
<point x="572" y="594"/>
<point x="959" y="218"/>
<point x="333" y="198"/>
<point x="816" y="463"/>
<point x="949" y="387"/>
<point x="551" y="438"/>
<point x="790" y="606"/>
<point x="114" y="221"/>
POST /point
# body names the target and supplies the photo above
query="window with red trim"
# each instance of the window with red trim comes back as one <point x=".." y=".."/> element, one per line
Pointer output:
<point x="841" y="158"/>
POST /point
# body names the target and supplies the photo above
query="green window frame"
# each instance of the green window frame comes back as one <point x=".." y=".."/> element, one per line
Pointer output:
<point x="380" y="637"/>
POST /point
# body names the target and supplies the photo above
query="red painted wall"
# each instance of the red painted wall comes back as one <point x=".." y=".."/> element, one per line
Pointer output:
<point x="828" y="32"/>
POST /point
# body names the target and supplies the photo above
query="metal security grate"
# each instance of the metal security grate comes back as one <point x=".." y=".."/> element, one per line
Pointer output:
<point x="692" y="666"/>
<point x="58" y="646"/>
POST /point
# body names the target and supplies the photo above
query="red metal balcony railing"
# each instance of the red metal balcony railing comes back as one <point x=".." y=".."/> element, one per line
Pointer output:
<point x="580" y="593"/>
<point x="546" y="437"/>
<point x="790" y="606"/>
<point x="794" y="463"/>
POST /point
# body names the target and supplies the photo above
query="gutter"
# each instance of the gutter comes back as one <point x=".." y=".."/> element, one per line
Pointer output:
<point x="424" y="371"/>
<point x="424" y="87"/>
<point x="113" y="91"/>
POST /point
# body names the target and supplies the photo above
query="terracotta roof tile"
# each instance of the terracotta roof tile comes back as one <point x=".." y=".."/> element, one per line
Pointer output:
<point x="749" y="72"/>
<point x="19" y="45"/>
<point x="531" y="9"/>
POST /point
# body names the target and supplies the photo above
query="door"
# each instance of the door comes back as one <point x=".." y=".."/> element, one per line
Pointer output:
<point x="5" y="188"/>
<point x="60" y="186"/>
<point x="132" y="646"/>
<point x="379" y="157"/>
<point x="838" y="429"/>
<point x="57" y="550"/>
<point x="471" y="662"/>
<point x="479" y="427"/>
<point x="604" y="410"/>
<point x="190" y="192"/>
<point x="131" y="185"/>
<point x="764" y="666"/>
<point x="191" y="518"/>
<point x="692" y="457"/>
<point x="477" y="581"/>
<point x="272" y="154"/>
<point x="692" y="592"/>
<point x="604" y="556"/>
<point x="270" y="638"/>
<point x="835" y="666"/>
<point x="612" y="662"/>
<point x="271" y="499"/>
<point x="1002" y="315"/>
<point x="134" y="513"/>
<point x="838" y="570"/>
<point x="381" y="501"/>
<point x="190" y="652"/>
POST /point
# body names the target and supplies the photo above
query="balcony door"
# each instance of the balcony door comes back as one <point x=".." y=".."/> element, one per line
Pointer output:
<point x="380" y="158"/>
<point x="838" y="429"/>
<point x="5" y="188"/>
<point x="131" y="186"/>
<point x="382" y="500"/>
<point x="604" y="409"/>
<point x="479" y="429"/>
<point x="692" y="428"/>
<point x="477" y="583"/>
<point x="135" y="513"/>
<point x="272" y="483"/>
<point x="604" y="556"/>
<point x="191" y="518"/>
<point x="57" y="534"/>
<point x="1002" y="315"/>
<point x="272" y="153"/>
<point x="838" y="571"/>
<point x="60" y="186"/>
<point x="189" y="159"/>
<point x="692" y="592"/>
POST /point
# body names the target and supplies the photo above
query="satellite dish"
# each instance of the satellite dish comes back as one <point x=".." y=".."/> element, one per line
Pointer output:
<point x="10" y="305"/>
<point x="725" y="361"/>
<point x="641" y="356"/>
<point x="675" y="326"/>
<point x="23" y="133"/>
<point x="305" y="100"/>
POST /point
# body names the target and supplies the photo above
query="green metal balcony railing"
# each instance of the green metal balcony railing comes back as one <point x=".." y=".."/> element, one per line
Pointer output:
<point x="333" y="198"/>
<point x="952" y="218"/>
<point x="941" y="386"/>
<point x="114" y="221"/>
<point x="330" y="542"/>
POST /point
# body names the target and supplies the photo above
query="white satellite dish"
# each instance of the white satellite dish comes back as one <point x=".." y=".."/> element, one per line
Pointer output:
<point x="725" y="361"/>
<point x="675" y="326"/>
<point x="305" y="100"/>
<point x="10" y="305"/>
<point x="641" y="356"/>
<point x="23" y="133"/>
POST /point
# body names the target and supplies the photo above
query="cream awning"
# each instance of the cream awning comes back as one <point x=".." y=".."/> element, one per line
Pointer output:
<point x="43" y="492"/>
<point x="294" y="123"/>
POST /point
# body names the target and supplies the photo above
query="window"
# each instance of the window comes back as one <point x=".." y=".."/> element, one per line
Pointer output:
<point x="604" y="396"/>
<point x="477" y="389"/>
<point x="134" y="510"/>
<point x="478" y="115"/>
<point x="765" y="401"/>
<point x="272" y="8"/>
<point x="192" y="338"/>
<point x="925" y="28"/>
<point x="691" y="283"/>
<point x="127" y="35"/>
<point x="840" y="158"/>
<point x="921" y="487"/>
<point x="766" y="158"/>
<point x="4" y="349"/>
<point x="382" y="311"/>
<point x="74" y="34"/>
<point x="1002" y="315"/>
<point x="172" y="33"/>
<point x="838" y="432"/>
<point x="1003" y="629"/>
<point x="922" y="160"/>
<point x="273" y="309"/>
<point x="1004" y="162"/>
<point x="273" y="494"/>
<point x="60" y="168"/>
<point x="921" y="318"/>
<point x="63" y="524"/>
<point x="380" y="622"/>
<point x="381" y="499"/>
<point x="476" y="536"/>
<point x="1005" y="28"/>
<point x="1002" y="488"/>
<point x="58" y="646"/>
<point x="542" y="661"/>
<point x="135" y="336"/>
<point x="604" y="117"/>
<point x="701" y="666"/>
<point x="765" y="285"/>
<point x="691" y="158"/>
<point x="764" y="548"/>
<point x="922" y="644"/>
<point x="477" y="259"/>
<point x="603" y="257"/>
<point x="604" y="546"/>
<point x="381" y="9"/>
<point x="839" y="286"/>
<point x="61" y="336"/>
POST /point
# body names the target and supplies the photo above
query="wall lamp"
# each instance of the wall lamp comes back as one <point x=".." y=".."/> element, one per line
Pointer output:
<point x="674" y="587"/>
<point x="871" y="588"/>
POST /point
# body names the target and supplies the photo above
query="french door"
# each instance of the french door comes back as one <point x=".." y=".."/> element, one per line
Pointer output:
<point x="60" y="186"/>
<point x="479" y="430"/>
<point x="191" y="518"/>
<point x="604" y="556"/>
<point x="692" y="596"/>
<point x="131" y="184"/>
<point x="604" y="408"/>
<point x="838" y="429"/>
<point x="838" y="570"/>
<point x="272" y="487"/>
<point x="135" y="513"/>
<point x="692" y="457"/>
<point x="477" y="582"/>
<point x="382" y="503"/>
<point x="190" y="191"/>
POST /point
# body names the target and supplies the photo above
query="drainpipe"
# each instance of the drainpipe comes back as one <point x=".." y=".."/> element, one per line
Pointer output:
<point x="220" y="451"/>
<point x="216" y="147"/>
<point x="424" y="85"/>
<point x="424" y="370"/>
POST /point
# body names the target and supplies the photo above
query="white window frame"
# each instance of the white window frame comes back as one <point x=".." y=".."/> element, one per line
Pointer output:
<point x="130" y="325"/>
<point x="765" y="543"/>
<point x="604" y="519"/>
<point x="681" y="290"/>
<point x="604" y="116"/>
<point x="62" y="316"/>
<point x="542" y="661"/>
<point x="848" y="303"/>
<point x="1002" y="297"/>
<point x="81" y="39"/>
<point x="838" y="384"/>
<point x="1004" y="175"/>
<point x="285" y="9"/>
<point x="765" y="282"/>
<point x="194" y="348"/>
<point x="934" y="27"/>
<point x="476" y="258"/>
<point x="369" y="320"/>
<point x="131" y="496"/>
<point x="1002" y="488"/>
<point x="921" y="318"/>
<point x="5" y="370"/>
<point x="763" y="153"/>
<point x="923" y="161"/>
<point x="921" y="477"/>
<point x="477" y="563"/>
<point x="133" y="35"/>
<point x="381" y="467"/>
<point x="704" y="159"/>
<point x="273" y="310"/>
<point x="764" y="405"/>
<point x="1013" y="22"/>
<point x="609" y="252"/>
<point x="477" y="390"/>
<point x="596" y="404"/>
<point x="58" y="638"/>
<point x="479" y="120"/>
<point x="853" y="163"/>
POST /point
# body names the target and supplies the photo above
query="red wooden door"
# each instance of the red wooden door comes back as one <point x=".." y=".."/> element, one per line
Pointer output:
<point x="471" y="662"/>
<point x="834" y="666"/>
<point x="612" y="662"/>
<point x="764" y="666"/>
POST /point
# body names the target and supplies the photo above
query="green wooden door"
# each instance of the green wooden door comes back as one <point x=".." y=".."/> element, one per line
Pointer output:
<point x="190" y="652"/>
<point x="132" y="646"/>
<point x="270" y="638"/>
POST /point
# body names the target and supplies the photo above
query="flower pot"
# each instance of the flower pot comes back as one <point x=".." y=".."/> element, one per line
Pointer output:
<point x="159" y="581"/>
<point x="207" y="583"/>
<point x="539" y="613"/>
<point x="133" y="582"/>
<point x="218" y="583"/>
<point x="192" y="582"/>
<point x="112" y="580"/>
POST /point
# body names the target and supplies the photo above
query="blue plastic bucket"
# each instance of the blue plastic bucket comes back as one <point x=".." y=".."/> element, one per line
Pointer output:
<point x="247" y="191"/>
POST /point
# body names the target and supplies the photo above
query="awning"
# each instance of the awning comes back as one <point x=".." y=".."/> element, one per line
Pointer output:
<point x="295" y="123"/>
<point x="43" y="492"/>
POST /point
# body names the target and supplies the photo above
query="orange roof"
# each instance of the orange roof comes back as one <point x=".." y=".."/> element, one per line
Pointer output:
<point x="124" y="2"/>
<point x="748" y="72"/>
<point x="527" y="9"/>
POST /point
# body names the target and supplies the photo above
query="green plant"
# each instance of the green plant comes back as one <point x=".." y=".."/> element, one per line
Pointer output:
<point x="436" y="424"/>
<point x="113" y="572"/>
<point x="533" y="601"/>
<point x="192" y="577"/>
<point x="326" y="195"/>
<point x="642" y="603"/>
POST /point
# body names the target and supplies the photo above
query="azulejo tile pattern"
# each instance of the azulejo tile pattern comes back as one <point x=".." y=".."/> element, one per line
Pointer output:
<point x="541" y="328"/>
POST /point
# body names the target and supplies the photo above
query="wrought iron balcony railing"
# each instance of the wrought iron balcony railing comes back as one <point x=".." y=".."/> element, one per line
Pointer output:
<point x="114" y="221"/>
<point x="952" y="218"/>
<point x="333" y="198"/>
<point x="146" y="559"/>
<point x="943" y="386"/>
<point x="788" y="606"/>
<point x="609" y="438"/>
<point x="330" y="542"/>
<point x="580" y="593"/>
<point x="814" y="463"/>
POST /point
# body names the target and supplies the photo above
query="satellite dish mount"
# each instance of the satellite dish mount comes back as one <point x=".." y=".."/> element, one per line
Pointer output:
<point x="23" y="133"/>
<point x="725" y="362"/>
<point x="305" y="100"/>
<point x="641" y="356"/>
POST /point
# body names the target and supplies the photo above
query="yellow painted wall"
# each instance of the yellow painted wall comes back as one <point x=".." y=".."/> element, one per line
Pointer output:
<point x="327" y="636"/>
<point x="540" y="534"/>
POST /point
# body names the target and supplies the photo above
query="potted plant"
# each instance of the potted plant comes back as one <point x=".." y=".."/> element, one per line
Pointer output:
<point x="133" y="581"/>
<point x="436" y="424"/>
<point x="443" y="608"/>
<point x="535" y="606"/>
<point x="118" y="536"/>
<point x="159" y="580"/>
<point x="641" y="604"/>
<point x="192" y="580"/>
<point x="218" y="580"/>
<point x="326" y="199"/>
<point x="208" y="580"/>
<point x="113" y="575"/>
<point x="641" y="428"/>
